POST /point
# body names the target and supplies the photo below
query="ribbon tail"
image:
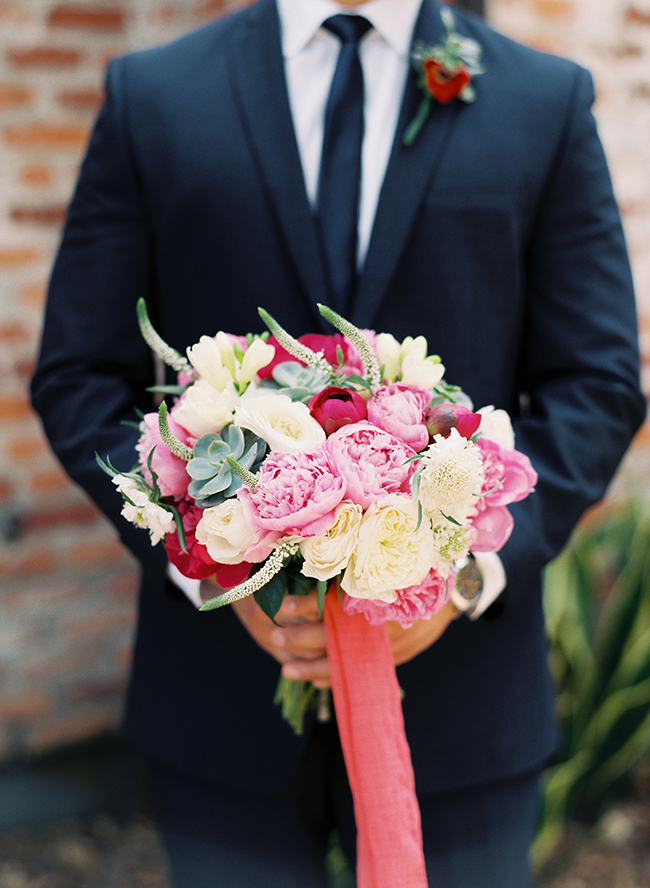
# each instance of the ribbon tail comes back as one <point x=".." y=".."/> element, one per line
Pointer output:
<point x="377" y="757"/>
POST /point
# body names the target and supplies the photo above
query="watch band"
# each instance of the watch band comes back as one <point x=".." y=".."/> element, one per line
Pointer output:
<point x="468" y="588"/>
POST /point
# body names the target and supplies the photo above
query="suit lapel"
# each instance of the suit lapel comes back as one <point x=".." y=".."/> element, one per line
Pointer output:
<point x="260" y="86"/>
<point x="410" y="170"/>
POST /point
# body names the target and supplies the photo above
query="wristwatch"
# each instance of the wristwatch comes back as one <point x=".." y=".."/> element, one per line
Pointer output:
<point x="467" y="591"/>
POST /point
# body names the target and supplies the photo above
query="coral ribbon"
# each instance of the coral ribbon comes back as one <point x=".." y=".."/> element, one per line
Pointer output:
<point x="377" y="757"/>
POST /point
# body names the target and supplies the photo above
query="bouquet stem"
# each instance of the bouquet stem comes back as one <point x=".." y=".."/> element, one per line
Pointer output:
<point x="296" y="697"/>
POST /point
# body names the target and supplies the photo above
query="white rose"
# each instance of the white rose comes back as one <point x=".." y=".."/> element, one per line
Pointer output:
<point x="326" y="556"/>
<point x="206" y="359"/>
<point x="392" y="552"/>
<point x="203" y="409"/>
<point x="388" y="352"/>
<point x="497" y="427"/>
<point x="451" y="477"/>
<point x="284" y="424"/>
<point x="224" y="532"/>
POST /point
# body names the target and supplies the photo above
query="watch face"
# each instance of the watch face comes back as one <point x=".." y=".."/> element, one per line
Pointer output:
<point x="469" y="581"/>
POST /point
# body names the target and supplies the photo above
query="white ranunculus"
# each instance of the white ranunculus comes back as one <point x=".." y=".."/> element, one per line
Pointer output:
<point x="284" y="424"/>
<point x="142" y="512"/>
<point x="496" y="426"/>
<point x="203" y="409"/>
<point x="326" y="556"/>
<point x="257" y="355"/>
<point x="224" y="532"/>
<point x="206" y="359"/>
<point x="451" y="477"/>
<point x="392" y="552"/>
<point x="388" y="353"/>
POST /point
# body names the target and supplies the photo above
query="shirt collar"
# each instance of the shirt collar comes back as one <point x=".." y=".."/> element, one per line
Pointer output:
<point x="394" y="20"/>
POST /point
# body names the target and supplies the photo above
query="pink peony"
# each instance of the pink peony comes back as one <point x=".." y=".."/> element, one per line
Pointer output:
<point x="400" y="409"/>
<point x="442" y="418"/>
<point x="372" y="462"/>
<point x="335" y="407"/>
<point x="296" y="493"/>
<point x="509" y="471"/>
<point x="171" y="470"/>
<point x="491" y="527"/>
<point x="414" y="603"/>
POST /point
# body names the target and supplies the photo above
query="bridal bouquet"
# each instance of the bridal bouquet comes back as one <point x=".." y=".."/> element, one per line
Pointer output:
<point x="346" y="459"/>
<point x="285" y="463"/>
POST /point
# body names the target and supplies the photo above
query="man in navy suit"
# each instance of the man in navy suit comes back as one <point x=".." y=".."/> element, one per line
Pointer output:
<point x="495" y="235"/>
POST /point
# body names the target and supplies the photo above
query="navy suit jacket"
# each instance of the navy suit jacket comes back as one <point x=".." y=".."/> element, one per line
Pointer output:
<point x="496" y="236"/>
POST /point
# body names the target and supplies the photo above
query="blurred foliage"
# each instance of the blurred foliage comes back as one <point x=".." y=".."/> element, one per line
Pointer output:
<point x="597" y="604"/>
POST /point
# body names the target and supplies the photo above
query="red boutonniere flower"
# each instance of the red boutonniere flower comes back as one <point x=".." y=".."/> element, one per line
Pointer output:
<point x="446" y="72"/>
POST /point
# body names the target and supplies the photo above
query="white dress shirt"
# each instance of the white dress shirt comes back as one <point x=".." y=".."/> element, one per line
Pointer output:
<point x="310" y="54"/>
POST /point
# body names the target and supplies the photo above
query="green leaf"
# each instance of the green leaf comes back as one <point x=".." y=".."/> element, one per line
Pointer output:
<point x="321" y="591"/>
<point x="270" y="596"/>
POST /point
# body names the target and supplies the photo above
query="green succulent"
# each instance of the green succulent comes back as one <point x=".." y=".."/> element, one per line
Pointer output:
<point x="298" y="382"/>
<point x="213" y="479"/>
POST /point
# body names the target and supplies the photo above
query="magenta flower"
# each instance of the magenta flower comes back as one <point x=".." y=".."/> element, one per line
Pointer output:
<point x="372" y="462"/>
<point x="400" y="409"/>
<point x="442" y="418"/>
<point x="296" y="493"/>
<point x="335" y="407"/>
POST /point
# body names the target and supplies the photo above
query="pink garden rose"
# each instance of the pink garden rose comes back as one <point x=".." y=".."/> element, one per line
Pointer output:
<point x="173" y="479"/>
<point x="414" y="603"/>
<point x="335" y="407"/>
<point x="509" y="471"/>
<point x="442" y="418"/>
<point x="491" y="528"/>
<point x="296" y="493"/>
<point x="508" y="478"/>
<point x="400" y="409"/>
<point x="372" y="462"/>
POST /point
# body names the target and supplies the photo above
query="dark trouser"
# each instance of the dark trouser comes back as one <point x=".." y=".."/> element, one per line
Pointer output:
<point x="218" y="837"/>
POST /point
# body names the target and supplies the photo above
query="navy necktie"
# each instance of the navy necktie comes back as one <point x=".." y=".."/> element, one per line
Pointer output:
<point x="340" y="171"/>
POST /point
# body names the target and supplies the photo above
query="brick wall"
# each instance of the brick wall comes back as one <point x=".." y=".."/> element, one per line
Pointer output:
<point x="67" y="593"/>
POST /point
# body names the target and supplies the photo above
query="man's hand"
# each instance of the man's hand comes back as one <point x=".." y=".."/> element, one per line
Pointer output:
<point x="298" y="641"/>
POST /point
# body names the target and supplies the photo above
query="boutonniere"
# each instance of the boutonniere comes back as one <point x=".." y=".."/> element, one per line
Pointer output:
<point x="446" y="72"/>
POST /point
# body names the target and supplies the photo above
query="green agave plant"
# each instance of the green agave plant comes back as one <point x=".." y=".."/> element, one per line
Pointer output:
<point x="597" y="604"/>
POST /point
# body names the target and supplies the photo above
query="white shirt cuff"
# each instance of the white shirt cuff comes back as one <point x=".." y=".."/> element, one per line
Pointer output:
<point x="191" y="588"/>
<point x="494" y="580"/>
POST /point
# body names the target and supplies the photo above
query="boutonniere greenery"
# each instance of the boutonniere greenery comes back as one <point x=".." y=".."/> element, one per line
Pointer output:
<point x="446" y="72"/>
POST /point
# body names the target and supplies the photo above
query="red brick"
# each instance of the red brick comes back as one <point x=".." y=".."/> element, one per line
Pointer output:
<point x="87" y="554"/>
<point x="6" y="490"/>
<point x="12" y="257"/>
<point x="82" y="99"/>
<point x="38" y="176"/>
<point x="46" y="214"/>
<point x="47" y="482"/>
<point x="14" y="407"/>
<point x="87" y="16"/>
<point x="13" y="331"/>
<point x="26" y="449"/>
<point x="637" y="16"/>
<point x="43" y="57"/>
<point x="47" y="135"/>
<point x="64" y="516"/>
<point x="33" y="294"/>
<point x="12" y="95"/>
<point x="92" y="691"/>
<point x="40" y="561"/>
<point x="23" y="708"/>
